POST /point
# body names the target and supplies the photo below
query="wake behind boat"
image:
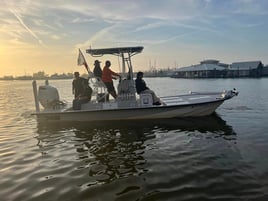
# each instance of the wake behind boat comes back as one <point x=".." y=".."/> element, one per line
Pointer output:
<point x="128" y="105"/>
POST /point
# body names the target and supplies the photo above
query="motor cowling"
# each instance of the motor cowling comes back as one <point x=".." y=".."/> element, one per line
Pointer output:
<point x="48" y="96"/>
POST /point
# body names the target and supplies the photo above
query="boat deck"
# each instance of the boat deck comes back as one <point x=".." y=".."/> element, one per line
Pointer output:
<point x="191" y="98"/>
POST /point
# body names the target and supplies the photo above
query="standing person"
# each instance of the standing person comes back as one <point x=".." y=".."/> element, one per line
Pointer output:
<point x="142" y="88"/>
<point x="107" y="77"/>
<point x="84" y="96"/>
<point x="77" y="84"/>
<point x="97" y="70"/>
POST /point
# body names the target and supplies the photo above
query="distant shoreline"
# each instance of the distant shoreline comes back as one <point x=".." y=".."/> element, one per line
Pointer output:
<point x="155" y="73"/>
<point x="45" y="78"/>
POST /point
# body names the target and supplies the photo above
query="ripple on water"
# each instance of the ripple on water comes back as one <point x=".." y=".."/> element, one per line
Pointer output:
<point x="177" y="159"/>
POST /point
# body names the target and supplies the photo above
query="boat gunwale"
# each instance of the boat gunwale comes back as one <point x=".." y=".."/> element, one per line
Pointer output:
<point x="124" y="109"/>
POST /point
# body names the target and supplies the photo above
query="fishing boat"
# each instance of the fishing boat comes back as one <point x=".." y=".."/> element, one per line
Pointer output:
<point x="128" y="105"/>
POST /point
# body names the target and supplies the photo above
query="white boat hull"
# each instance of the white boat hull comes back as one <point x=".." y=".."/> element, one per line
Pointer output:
<point x="162" y="112"/>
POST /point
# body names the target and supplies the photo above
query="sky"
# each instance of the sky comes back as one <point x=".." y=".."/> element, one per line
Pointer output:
<point x="45" y="35"/>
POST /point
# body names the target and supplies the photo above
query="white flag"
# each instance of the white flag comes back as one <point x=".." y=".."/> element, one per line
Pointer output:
<point x="81" y="60"/>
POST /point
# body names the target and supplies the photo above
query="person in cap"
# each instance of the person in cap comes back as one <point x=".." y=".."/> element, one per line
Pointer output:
<point x="97" y="70"/>
<point x="107" y="77"/>
<point x="141" y="87"/>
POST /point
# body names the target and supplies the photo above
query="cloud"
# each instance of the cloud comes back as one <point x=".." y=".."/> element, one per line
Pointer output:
<point x="23" y="24"/>
<point x="251" y="7"/>
<point x="103" y="36"/>
<point x="78" y="24"/>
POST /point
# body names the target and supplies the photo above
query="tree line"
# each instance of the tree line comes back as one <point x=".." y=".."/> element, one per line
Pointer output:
<point x="41" y="75"/>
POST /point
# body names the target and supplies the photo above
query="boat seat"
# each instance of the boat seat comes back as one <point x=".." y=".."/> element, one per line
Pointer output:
<point x="146" y="100"/>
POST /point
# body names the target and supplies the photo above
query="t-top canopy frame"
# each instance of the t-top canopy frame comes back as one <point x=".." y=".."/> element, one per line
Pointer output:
<point x="119" y="51"/>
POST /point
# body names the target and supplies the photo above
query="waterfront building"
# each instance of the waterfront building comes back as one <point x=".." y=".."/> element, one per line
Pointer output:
<point x="246" y="69"/>
<point x="214" y="69"/>
<point x="206" y="69"/>
<point x="265" y="71"/>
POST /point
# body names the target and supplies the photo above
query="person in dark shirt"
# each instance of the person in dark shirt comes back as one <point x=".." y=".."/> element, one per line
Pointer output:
<point x="84" y="96"/>
<point x="142" y="88"/>
<point x="97" y="70"/>
<point x="77" y="84"/>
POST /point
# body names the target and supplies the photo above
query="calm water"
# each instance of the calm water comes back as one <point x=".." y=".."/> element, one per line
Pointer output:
<point x="222" y="157"/>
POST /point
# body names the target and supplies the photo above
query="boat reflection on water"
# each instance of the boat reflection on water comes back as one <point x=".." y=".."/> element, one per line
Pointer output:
<point x="213" y="123"/>
<point x="113" y="159"/>
<point x="117" y="148"/>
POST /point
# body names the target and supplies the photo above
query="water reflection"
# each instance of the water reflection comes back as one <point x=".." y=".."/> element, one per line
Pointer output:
<point x="112" y="153"/>
<point x="147" y="160"/>
<point x="213" y="123"/>
<point x="111" y="150"/>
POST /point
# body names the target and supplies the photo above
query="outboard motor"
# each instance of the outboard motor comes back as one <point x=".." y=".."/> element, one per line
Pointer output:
<point x="48" y="96"/>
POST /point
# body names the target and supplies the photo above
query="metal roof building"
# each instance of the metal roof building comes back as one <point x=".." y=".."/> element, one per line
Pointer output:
<point x="214" y="69"/>
<point x="246" y="69"/>
<point x="206" y="69"/>
<point x="247" y="65"/>
<point x="201" y="67"/>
